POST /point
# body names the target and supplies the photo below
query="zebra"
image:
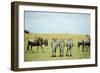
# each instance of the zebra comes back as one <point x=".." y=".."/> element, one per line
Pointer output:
<point x="55" y="43"/>
<point x="69" y="45"/>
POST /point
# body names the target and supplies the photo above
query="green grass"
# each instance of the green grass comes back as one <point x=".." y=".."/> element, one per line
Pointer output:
<point x="47" y="55"/>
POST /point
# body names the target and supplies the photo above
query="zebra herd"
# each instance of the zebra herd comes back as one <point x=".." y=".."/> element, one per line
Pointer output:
<point x="55" y="43"/>
<point x="58" y="44"/>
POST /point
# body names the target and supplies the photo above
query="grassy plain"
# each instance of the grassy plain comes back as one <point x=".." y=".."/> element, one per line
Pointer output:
<point x="47" y="55"/>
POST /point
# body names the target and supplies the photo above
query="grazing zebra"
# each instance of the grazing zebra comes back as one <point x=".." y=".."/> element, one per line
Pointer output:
<point x="57" y="44"/>
<point x="37" y="42"/>
<point x="69" y="45"/>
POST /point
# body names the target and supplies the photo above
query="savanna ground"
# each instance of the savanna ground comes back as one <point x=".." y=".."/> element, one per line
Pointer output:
<point x="47" y="55"/>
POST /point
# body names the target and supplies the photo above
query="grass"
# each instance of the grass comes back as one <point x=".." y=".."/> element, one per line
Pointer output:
<point x="47" y="55"/>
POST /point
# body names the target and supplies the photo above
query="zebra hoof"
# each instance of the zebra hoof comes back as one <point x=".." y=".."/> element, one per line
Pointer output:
<point x="53" y="56"/>
<point x="67" y="55"/>
<point x="60" y="55"/>
<point x="70" y="55"/>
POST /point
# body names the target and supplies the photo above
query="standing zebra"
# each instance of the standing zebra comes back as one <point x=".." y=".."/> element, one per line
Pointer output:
<point x="69" y="45"/>
<point x="61" y="47"/>
<point x="57" y="44"/>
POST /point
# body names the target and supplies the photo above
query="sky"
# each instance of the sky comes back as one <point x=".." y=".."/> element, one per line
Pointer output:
<point x="56" y="22"/>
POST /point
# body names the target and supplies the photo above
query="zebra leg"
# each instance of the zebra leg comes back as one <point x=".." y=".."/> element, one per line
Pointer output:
<point x="70" y="52"/>
<point x="62" y="51"/>
<point x="67" y="51"/>
<point x="54" y="52"/>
